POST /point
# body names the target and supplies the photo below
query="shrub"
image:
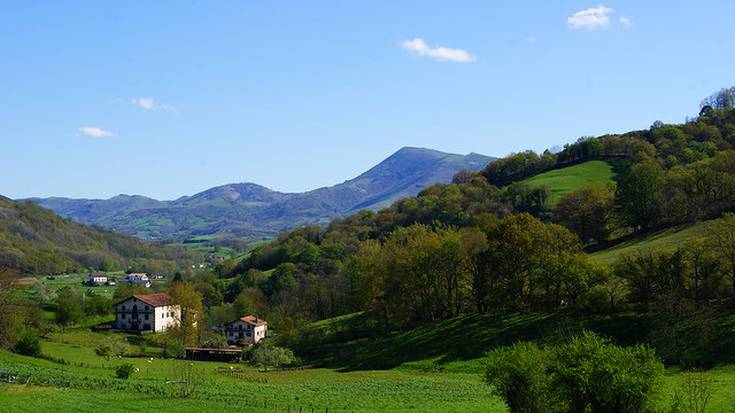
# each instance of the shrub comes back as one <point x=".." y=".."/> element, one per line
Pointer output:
<point x="519" y="374"/>
<point x="28" y="345"/>
<point x="110" y="347"/>
<point x="267" y="355"/>
<point x="124" y="371"/>
<point x="590" y="372"/>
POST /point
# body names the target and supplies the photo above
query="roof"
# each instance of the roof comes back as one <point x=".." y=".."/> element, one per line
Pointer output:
<point x="98" y="274"/>
<point x="252" y="320"/>
<point x="156" y="300"/>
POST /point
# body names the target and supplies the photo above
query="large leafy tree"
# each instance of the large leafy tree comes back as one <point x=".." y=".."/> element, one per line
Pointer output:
<point x="637" y="192"/>
<point x="587" y="212"/>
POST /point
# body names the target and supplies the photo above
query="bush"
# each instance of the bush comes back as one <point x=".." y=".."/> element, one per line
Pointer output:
<point x="588" y="374"/>
<point x="110" y="347"/>
<point x="124" y="371"/>
<point x="28" y="345"/>
<point x="267" y="355"/>
<point x="519" y="374"/>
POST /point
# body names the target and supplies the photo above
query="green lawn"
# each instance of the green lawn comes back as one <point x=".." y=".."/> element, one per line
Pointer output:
<point x="665" y="240"/>
<point x="569" y="179"/>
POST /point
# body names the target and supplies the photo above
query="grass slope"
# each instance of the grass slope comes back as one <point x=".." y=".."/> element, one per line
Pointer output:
<point x="455" y="345"/>
<point x="665" y="240"/>
<point x="565" y="180"/>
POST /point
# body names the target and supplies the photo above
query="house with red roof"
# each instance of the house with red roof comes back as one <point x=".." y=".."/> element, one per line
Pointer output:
<point x="246" y="330"/>
<point x="147" y="313"/>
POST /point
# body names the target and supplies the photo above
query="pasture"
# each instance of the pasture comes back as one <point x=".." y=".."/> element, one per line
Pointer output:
<point x="665" y="240"/>
<point x="565" y="180"/>
<point x="436" y="368"/>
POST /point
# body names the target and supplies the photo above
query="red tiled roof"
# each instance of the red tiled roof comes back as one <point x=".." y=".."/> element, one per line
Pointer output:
<point x="253" y="320"/>
<point x="98" y="274"/>
<point x="156" y="300"/>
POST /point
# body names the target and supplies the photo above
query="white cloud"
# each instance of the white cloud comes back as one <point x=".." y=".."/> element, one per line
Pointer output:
<point x="625" y="21"/>
<point x="148" y="103"/>
<point x="419" y="47"/>
<point x="96" y="132"/>
<point x="591" y="19"/>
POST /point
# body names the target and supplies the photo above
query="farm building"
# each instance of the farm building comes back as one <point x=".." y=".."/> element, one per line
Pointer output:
<point x="139" y="279"/>
<point x="246" y="330"/>
<point x="146" y="313"/>
<point x="97" y="278"/>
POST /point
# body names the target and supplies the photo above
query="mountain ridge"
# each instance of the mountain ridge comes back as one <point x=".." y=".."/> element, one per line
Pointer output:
<point x="250" y="210"/>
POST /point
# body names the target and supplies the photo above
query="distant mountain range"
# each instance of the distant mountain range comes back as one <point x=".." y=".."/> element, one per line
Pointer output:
<point x="249" y="210"/>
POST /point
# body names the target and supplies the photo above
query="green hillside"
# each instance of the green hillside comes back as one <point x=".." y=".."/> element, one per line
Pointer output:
<point x="34" y="240"/>
<point x="454" y="345"/>
<point x="569" y="179"/>
<point x="664" y="240"/>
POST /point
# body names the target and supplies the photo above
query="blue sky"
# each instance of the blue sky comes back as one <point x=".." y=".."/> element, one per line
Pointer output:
<point x="169" y="98"/>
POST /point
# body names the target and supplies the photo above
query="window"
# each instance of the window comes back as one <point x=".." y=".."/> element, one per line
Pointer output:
<point x="163" y="315"/>
<point x="248" y="334"/>
<point x="146" y="316"/>
<point x="146" y="308"/>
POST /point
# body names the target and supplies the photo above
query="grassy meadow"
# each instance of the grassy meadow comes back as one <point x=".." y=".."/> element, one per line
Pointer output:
<point x="565" y="180"/>
<point x="664" y="240"/>
<point x="436" y="368"/>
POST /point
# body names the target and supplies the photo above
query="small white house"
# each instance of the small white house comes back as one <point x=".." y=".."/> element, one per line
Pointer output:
<point x="137" y="276"/>
<point x="246" y="330"/>
<point x="146" y="313"/>
<point x="139" y="279"/>
<point x="97" y="278"/>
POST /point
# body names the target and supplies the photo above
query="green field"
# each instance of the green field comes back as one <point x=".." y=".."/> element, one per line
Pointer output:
<point x="569" y="179"/>
<point x="434" y="368"/>
<point x="75" y="281"/>
<point x="665" y="240"/>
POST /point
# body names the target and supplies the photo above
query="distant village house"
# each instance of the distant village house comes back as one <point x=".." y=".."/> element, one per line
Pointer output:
<point x="246" y="330"/>
<point x="138" y="279"/>
<point x="147" y="313"/>
<point x="97" y="278"/>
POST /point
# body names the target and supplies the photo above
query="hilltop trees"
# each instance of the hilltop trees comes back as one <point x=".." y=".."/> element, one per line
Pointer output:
<point x="587" y="212"/>
<point x="724" y="99"/>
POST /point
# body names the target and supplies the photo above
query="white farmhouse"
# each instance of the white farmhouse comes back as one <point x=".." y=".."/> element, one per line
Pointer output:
<point x="97" y="278"/>
<point x="246" y="330"/>
<point x="146" y="313"/>
<point x="139" y="279"/>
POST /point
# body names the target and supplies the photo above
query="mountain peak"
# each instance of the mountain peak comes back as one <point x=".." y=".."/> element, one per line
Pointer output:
<point x="250" y="210"/>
